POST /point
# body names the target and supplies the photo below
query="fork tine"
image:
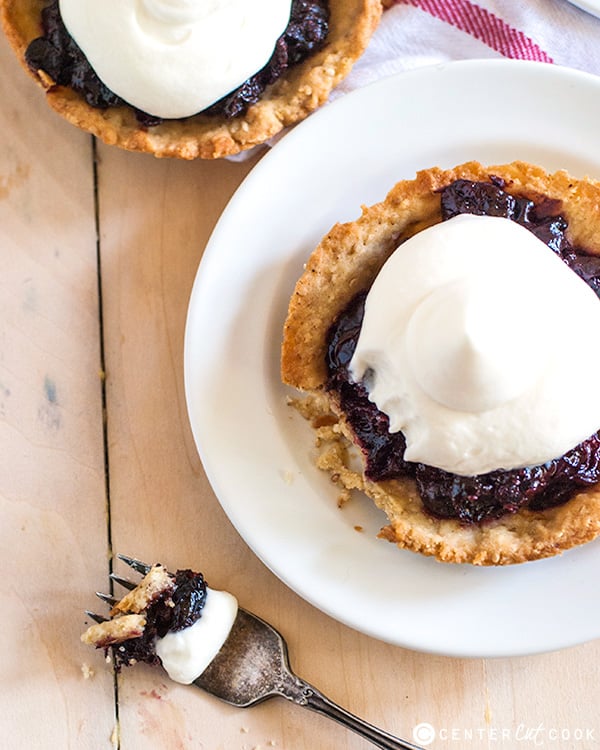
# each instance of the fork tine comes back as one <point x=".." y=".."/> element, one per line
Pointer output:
<point x="95" y="617"/>
<point x="125" y="582"/>
<point x="137" y="565"/>
<point x="112" y="600"/>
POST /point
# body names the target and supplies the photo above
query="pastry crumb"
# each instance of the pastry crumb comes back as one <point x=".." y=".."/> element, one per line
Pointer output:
<point x="115" y="736"/>
<point x="343" y="498"/>
<point x="87" y="671"/>
<point x="288" y="476"/>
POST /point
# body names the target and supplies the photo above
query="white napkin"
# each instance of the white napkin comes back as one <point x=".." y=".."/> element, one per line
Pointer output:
<point x="414" y="33"/>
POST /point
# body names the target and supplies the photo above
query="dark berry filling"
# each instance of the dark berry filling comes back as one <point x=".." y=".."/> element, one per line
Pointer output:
<point x="170" y="612"/>
<point x="446" y="495"/>
<point x="57" y="54"/>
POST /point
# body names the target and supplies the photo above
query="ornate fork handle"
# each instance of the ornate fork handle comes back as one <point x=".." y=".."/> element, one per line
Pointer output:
<point x="303" y="694"/>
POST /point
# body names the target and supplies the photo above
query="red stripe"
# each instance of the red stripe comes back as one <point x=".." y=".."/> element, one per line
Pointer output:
<point x="483" y="25"/>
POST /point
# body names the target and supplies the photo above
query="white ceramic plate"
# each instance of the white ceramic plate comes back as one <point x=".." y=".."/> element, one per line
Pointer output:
<point x="255" y="449"/>
<point x="591" y="6"/>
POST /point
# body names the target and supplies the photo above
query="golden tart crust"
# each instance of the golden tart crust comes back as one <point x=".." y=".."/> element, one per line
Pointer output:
<point x="128" y="615"/>
<point x="290" y="99"/>
<point x="345" y="262"/>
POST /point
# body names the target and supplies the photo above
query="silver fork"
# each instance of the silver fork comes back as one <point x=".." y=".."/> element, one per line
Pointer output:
<point x="253" y="665"/>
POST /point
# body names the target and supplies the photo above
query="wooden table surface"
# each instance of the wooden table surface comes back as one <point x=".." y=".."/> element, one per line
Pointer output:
<point x="100" y="250"/>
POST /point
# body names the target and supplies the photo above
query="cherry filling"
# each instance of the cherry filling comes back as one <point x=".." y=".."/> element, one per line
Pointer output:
<point x="483" y="497"/>
<point x="169" y="613"/>
<point x="57" y="54"/>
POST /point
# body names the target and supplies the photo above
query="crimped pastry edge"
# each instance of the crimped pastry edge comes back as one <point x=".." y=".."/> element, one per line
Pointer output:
<point x="345" y="262"/>
<point x="290" y="99"/>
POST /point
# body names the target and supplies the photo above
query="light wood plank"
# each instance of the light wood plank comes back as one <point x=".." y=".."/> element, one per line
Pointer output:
<point x="53" y="531"/>
<point x="156" y="217"/>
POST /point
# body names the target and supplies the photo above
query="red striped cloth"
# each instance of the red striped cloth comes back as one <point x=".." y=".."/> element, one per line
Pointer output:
<point x="483" y="25"/>
<point x="414" y="33"/>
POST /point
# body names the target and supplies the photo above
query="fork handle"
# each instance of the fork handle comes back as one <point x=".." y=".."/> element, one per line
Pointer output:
<point x="309" y="697"/>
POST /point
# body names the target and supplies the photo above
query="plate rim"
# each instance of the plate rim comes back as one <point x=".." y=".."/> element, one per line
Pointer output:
<point x="588" y="6"/>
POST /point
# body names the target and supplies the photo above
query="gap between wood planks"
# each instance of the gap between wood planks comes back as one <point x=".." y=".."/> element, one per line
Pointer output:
<point x="94" y="153"/>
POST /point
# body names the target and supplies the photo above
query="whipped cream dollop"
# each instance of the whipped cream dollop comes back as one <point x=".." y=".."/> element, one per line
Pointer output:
<point x="186" y="653"/>
<point x="174" y="58"/>
<point x="478" y="342"/>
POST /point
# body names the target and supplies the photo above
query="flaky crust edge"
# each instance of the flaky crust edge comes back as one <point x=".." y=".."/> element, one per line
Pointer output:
<point x="299" y="92"/>
<point x="345" y="262"/>
<point x="128" y="615"/>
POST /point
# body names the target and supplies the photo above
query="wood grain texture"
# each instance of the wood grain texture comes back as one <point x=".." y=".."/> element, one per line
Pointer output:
<point x="53" y="531"/>
<point x="155" y="218"/>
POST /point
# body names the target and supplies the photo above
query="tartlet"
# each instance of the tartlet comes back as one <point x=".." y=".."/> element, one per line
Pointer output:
<point x="290" y="99"/>
<point x="346" y="263"/>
